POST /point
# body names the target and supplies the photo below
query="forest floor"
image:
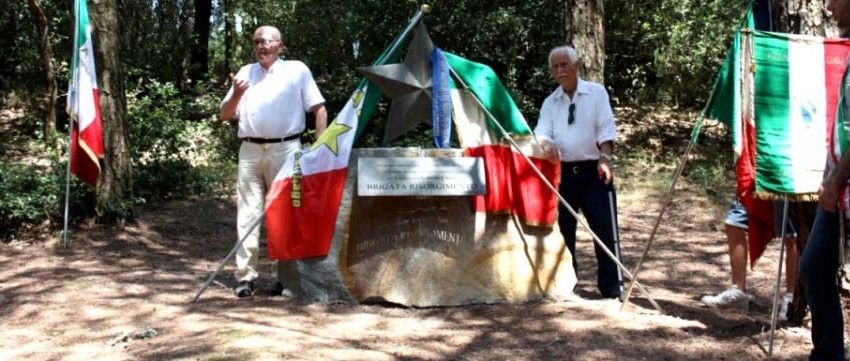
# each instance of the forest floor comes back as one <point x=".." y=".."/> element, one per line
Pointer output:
<point x="123" y="293"/>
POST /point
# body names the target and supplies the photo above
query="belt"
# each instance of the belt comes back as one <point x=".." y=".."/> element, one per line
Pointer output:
<point x="271" y="140"/>
<point x="580" y="166"/>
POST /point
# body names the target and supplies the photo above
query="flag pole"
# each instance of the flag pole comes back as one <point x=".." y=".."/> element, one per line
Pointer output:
<point x="773" y="315"/>
<point x="615" y="228"/>
<point x="563" y="201"/>
<point x="71" y="120"/>
<point x="667" y="199"/>
<point x="424" y="9"/>
<point x="67" y="186"/>
<point x="227" y="258"/>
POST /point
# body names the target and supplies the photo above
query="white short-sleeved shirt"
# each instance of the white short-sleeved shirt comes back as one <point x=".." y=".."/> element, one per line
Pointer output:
<point x="277" y="100"/>
<point x="593" y="125"/>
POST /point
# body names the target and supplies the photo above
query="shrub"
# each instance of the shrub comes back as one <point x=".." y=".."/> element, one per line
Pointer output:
<point x="30" y="195"/>
<point x="179" y="150"/>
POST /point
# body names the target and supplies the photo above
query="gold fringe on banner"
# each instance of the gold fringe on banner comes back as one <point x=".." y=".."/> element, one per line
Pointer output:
<point x="804" y="197"/>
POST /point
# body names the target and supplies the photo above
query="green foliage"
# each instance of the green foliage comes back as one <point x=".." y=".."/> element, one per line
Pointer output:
<point x="25" y="196"/>
<point x="31" y="195"/>
<point x="668" y="50"/>
<point x="175" y="156"/>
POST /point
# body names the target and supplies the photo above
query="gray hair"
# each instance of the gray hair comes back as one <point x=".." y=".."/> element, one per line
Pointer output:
<point x="564" y="49"/>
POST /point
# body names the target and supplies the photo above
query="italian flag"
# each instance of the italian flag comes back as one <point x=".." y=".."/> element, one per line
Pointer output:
<point x="84" y="102"/>
<point x="303" y="202"/>
<point x="778" y="94"/>
<point x="796" y="87"/>
<point x="513" y="187"/>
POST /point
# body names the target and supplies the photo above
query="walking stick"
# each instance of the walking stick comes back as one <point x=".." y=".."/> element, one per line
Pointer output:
<point x="224" y="261"/>
<point x="615" y="226"/>
<point x="773" y="315"/>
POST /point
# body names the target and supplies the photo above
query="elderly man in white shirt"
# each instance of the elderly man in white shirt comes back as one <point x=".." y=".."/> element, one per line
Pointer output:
<point x="576" y="127"/>
<point x="270" y="98"/>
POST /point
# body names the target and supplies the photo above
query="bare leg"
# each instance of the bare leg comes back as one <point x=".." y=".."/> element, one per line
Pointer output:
<point x="734" y="296"/>
<point x="737" y="241"/>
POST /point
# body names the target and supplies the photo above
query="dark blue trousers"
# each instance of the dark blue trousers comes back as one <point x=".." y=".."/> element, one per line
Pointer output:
<point x="818" y="267"/>
<point x="585" y="192"/>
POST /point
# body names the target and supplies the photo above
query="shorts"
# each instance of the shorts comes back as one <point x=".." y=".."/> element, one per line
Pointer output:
<point x="737" y="217"/>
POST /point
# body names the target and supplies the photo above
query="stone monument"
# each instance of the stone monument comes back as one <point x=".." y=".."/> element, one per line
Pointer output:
<point x="431" y="251"/>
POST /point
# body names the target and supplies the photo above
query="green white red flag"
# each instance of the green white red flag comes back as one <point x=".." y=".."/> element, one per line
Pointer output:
<point x="512" y="184"/>
<point x="778" y="93"/>
<point x="303" y="201"/>
<point x="84" y="102"/>
<point x="796" y="86"/>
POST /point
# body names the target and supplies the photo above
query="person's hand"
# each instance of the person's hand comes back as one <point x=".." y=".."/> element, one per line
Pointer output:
<point x="550" y="152"/>
<point x="828" y="195"/>
<point x="239" y="86"/>
<point x="603" y="167"/>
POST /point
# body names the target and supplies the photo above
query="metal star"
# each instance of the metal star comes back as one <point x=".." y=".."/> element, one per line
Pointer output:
<point x="408" y="85"/>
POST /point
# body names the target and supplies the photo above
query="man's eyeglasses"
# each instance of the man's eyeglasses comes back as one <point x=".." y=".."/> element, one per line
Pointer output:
<point x="572" y="117"/>
<point x="266" y="42"/>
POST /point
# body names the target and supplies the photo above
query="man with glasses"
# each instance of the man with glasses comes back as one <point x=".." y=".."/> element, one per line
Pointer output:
<point x="270" y="98"/>
<point x="576" y="127"/>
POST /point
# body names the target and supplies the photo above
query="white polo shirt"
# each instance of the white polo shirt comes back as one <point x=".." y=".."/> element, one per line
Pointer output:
<point x="277" y="100"/>
<point x="594" y="122"/>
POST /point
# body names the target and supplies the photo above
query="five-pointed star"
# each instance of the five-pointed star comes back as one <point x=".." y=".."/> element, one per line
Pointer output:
<point x="330" y="138"/>
<point x="408" y="85"/>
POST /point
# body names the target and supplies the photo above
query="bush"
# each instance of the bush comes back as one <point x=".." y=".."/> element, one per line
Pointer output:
<point x="179" y="149"/>
<point x="669" y="50"/>
<point x="30" y="196"/>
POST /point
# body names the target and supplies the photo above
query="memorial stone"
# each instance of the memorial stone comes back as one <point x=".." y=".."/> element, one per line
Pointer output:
<point x="430" y="251"/>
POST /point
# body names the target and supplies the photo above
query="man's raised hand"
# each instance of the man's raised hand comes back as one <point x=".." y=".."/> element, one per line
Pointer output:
<point x="239" y="85"/>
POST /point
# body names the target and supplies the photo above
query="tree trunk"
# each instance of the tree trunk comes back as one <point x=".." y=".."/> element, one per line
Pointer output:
<point x="115" y="186"/>
<point x="802" y="17"/>
<point x="182" y="41"/>
<point x="229" y="33"/>
<point x="49" y="73"/>
<point x="199" y="60"/>
<point x="585" y="29"/>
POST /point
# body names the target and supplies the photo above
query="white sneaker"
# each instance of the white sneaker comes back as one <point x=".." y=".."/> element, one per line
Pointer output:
<point x="731" y="298"/>
<point x="784" y="304"/>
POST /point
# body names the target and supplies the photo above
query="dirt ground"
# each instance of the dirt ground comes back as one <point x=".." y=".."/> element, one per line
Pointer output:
<point x="124" y="294"/>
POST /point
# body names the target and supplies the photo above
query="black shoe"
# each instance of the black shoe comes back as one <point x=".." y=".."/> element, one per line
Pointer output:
<point x="244" y="289"/>
<point x="612" y="295"/>
<point x="277" y="289"/>
<point x="280" y="291"/>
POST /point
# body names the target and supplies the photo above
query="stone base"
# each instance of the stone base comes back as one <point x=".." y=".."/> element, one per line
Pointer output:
<point x="430" y="251"/>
